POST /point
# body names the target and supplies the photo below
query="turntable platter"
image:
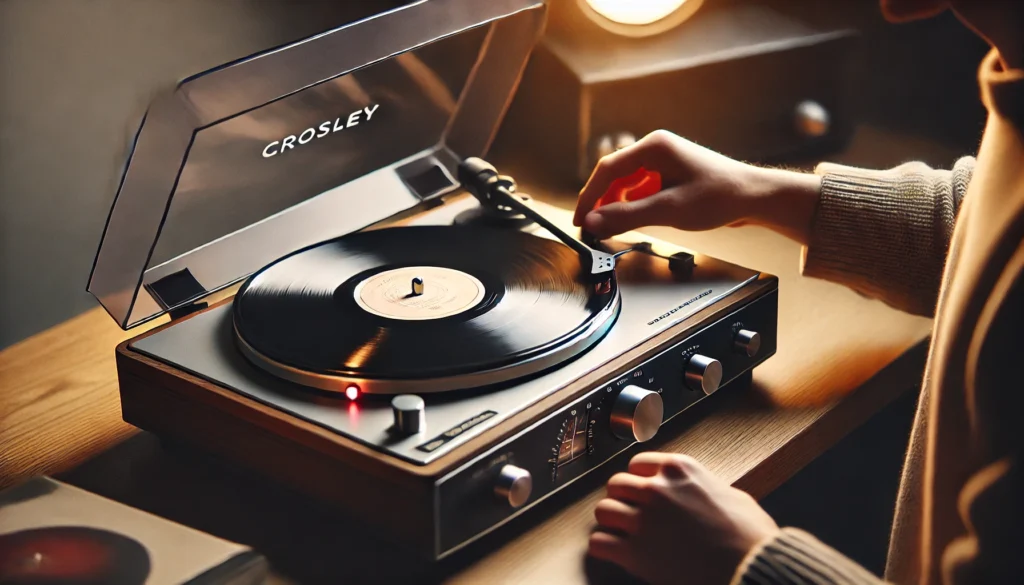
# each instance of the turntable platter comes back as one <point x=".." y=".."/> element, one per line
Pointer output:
<point x="421" y="309"/>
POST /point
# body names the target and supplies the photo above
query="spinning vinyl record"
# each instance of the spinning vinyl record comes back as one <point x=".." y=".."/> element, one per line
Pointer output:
<point x="421" y="309"/>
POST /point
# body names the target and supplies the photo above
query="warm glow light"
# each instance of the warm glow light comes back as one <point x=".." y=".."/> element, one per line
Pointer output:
<point x="639" y="18"/>
<point x="635" y="12"/>
<point x="352" y="392"/>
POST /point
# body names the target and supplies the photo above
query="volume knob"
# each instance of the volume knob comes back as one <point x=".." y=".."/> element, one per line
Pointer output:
<point x="408" y="411"/>
<point x="703" y="374"/>
<point x="747" y="342"/>
<point x="637" y="414"/>
<point x="514" y="485"/>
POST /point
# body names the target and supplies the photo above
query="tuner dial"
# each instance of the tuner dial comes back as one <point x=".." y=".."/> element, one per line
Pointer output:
<point x="514" y="485"/>
<point x="747" y="342"/>
<point x="408" y="410"/>
<point x="703" y="373"/>
<point x="637" y="414"/>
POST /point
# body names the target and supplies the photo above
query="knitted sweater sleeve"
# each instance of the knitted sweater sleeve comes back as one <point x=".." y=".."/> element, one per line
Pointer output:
<point x="885" y="234"/>
<point x="794" y="556"/>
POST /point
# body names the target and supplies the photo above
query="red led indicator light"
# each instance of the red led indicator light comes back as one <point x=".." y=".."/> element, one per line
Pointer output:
<point x="352" y="392"/>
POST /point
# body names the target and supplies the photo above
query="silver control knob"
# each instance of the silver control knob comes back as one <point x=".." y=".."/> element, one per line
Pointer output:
<point x="747" y="343"/>
<point x="811" y="119"/>
<point x="703" y="373"/>
<point x="637" y="414"/>
<point x="409" y="414"/>
<point x="514" y="485"/>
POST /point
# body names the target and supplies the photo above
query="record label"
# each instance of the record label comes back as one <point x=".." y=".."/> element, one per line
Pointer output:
<point x="443" y="292"/>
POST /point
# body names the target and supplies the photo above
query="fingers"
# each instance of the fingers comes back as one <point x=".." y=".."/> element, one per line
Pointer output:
<point x="628" y="488"/>
<point x="616" y="218"/>
<point x="609" y="547"/>
<point x="650" y="152"/>
<point x="618" y="516"/>
<point x="669" y="465"/>
<point x="611" y="167"/>
<point x="648" y="463"/>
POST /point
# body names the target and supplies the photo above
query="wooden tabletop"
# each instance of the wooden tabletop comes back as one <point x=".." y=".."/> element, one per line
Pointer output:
<point x="841" y="358"/>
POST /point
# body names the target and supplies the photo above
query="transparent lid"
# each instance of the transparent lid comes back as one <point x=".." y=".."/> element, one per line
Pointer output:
<point x="247" y="162"/>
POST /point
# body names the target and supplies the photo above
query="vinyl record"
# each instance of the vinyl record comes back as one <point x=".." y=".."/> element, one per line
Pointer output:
<point x="421" y="309"/>
<point x="72" y="555"/>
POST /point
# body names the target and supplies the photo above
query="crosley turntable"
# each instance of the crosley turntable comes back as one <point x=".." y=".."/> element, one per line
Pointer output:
<point x="362" y="309"/>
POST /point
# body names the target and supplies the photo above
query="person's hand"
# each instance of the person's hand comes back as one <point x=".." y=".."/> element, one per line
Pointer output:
<point x="670" y="520"/>
<point x="701" y="190"/>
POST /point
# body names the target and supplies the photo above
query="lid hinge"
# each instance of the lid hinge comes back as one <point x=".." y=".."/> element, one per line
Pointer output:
<point x="188" y="309"/>
<point x="177" y="293"/>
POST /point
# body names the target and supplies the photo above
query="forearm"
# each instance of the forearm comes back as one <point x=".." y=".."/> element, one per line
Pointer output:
<point x="886" y="233"/>
<point x="882" y="233"/>
<point x="785" y="201"/>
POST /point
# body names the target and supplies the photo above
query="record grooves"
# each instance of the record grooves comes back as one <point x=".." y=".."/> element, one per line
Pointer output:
<point x="491" y="306"/>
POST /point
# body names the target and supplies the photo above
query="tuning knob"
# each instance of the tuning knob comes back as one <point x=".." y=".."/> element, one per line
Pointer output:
<point x="747" y="342"/>
<point x="637" y="414"/>
<point x="514" y="485"/>
<point x="408" y="410"/>
<point x="703" y="373"/>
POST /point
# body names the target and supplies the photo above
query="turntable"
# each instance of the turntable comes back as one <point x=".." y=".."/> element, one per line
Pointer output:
<point x="361" y="308"/>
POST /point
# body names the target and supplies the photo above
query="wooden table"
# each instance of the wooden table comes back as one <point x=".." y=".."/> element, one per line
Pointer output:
<point x="841" y="358"/>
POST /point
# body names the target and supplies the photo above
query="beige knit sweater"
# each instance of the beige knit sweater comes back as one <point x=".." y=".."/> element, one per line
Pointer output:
<point x="927" y="242"/>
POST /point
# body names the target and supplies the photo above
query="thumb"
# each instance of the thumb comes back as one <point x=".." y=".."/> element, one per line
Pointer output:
<point x="616" y="218"/>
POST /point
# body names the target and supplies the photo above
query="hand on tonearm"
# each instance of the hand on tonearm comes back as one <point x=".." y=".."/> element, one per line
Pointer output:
<point x="666" y="180"/>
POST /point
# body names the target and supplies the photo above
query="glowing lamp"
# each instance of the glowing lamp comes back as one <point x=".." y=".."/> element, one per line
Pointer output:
<point x="642" y="18"/>
<point x="352" y="392"/>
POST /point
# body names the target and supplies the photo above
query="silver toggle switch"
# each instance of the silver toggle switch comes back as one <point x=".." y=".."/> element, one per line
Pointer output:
<point x="747" y="342"/>
<point x="409" y="411"/>
<point x="514" y="485"/>
<point x="703" y="374"/>
<point x="637" y="414"/>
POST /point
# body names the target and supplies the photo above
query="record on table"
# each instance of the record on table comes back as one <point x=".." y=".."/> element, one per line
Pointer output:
<point x="421" y="309"/>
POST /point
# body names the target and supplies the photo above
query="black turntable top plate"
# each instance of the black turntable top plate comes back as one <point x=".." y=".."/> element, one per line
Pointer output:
<point x="427" y="308"/>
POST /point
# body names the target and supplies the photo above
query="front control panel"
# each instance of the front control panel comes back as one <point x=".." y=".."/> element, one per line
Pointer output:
<point x="567" y="444"/>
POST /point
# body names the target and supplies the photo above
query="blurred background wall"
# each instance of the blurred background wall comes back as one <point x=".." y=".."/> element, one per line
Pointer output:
<point x="75" y="77"/>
